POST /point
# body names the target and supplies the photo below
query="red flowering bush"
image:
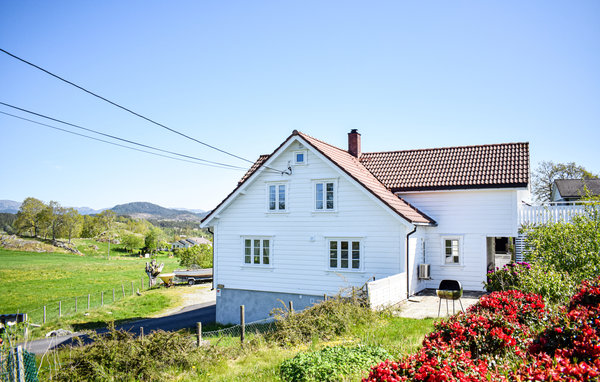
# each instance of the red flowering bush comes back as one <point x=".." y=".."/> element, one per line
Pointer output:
<point x="570" y="348"/>
<point x="498" y="332"/>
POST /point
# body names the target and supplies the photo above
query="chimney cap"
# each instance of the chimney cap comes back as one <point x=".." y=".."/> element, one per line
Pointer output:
<point x="354" y="131"/>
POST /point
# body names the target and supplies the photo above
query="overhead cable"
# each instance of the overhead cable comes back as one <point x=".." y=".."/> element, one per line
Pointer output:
<point x="229" y="167"/>
<point x="118" y="138"/>
<point x="129" y="110"/>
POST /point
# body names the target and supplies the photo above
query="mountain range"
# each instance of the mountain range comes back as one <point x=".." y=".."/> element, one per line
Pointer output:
<point x="143" y="210"/>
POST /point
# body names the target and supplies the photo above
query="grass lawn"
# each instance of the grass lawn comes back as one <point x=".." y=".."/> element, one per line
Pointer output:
<point x="31" y="280"/>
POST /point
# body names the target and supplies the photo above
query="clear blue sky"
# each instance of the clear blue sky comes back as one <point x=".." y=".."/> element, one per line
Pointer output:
<point x="242" y="75"/>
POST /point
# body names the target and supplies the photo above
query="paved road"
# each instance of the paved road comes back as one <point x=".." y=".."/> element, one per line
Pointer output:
<point x="185" y="318"/>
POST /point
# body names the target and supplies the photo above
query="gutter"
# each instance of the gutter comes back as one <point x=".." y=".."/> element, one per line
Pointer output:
<point x="408" y="263"/>
<point x="213" y="258"/>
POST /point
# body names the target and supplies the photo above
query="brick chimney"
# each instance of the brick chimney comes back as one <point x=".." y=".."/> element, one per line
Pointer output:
<point x="354" y="143"/>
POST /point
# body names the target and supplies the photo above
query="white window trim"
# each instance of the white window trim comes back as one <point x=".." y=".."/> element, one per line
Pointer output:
<point x="460" y="250"/>
<point x="287" y="199"/>
<point x="361" y="242"/>
<point x="335" y="195"/>
<point x="305" y="152"/>
<point x="252" y="265"/>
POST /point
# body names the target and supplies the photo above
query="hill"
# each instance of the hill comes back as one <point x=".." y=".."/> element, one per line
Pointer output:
<point x="145" y="210"/>
<point x="9" y="206"/>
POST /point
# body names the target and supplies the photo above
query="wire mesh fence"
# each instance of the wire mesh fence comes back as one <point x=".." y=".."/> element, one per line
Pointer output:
<point x="71" y="305"/>
<point x="257" y="327"/>
<point x="17" y="364"/>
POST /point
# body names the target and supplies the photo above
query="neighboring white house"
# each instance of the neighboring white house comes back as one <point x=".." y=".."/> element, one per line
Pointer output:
<point x="311" y="219"/>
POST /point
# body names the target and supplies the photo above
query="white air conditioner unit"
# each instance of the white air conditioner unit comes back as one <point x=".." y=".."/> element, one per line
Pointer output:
<point x="424" y="272"/>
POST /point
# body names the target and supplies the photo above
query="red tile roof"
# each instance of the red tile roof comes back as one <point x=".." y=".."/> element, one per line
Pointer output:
<point x="486" y="166"/>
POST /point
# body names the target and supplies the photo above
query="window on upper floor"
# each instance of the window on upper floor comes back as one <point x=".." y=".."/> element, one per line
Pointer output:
<point x="451" y="248"/>
<point x="325" y="195"/>
<point x="345" y="254"/>
<point x="300" y="157"/>
<point x="277" y="195"/>
<point x="257" y="251"/>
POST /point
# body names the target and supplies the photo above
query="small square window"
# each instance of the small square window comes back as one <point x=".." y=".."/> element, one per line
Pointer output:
<point x="344" y="254"/>
<point x="451" y="251"/>
<point x="257" y="251"/>
<point x="300" y="157"/>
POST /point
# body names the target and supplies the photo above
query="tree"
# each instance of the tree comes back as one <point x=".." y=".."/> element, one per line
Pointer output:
<point x="54" y="213"/>
<point x="196" y="256"/>
<point x="547" y="172"/>
<point x="29" y="215"/>
<point x="91" y="226"/>
<point x="72" y="222"/>
<point x="132" y="241"/>
<point x="106" y="220"/>
<point x="152" y="238"/>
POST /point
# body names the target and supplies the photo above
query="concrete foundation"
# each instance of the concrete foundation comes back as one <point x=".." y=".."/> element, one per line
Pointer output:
<point x="257" y="305"/>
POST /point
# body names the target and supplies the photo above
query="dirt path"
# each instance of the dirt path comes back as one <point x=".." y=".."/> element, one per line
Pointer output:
<point x="189" y="295"/>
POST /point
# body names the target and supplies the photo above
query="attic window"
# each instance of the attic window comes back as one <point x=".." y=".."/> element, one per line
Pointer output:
<point x="300" y="157"/>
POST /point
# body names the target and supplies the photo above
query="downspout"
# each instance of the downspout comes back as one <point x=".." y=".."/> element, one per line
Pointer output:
<point x="213" y="258"/>
<point x="408" y="263"/>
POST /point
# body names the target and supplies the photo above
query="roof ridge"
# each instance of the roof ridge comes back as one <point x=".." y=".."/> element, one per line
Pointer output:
<point x="445" y="148"/>
<point x="323" y="142"/>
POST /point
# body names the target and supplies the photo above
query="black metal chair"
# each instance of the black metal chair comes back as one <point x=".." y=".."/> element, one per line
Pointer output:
<point x="450" y="290"/>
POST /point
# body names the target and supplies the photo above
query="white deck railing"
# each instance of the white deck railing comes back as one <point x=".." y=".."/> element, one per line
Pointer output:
<point x="548" y="213"/>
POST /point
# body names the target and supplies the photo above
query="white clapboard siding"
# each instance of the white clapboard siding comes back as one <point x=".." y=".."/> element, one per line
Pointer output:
<point x="471" y="215"/>
<point x="299" y="258"/>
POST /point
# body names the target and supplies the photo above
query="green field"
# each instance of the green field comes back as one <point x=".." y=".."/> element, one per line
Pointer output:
<point x="32" y="280"/>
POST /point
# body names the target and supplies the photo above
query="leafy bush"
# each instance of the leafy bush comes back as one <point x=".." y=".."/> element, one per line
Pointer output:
<point x="331" y="363"/>
<point x="572" y="247"/>
<point x="554" y="286"/>
<point x="118" y="356"/>
<point x="196" y="256"/>
<point x="325" y="320"/>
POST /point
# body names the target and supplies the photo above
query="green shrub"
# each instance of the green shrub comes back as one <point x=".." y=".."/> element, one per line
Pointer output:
<point x="325" y="320"/>
<point x="118" y="356"/>
<point x="572" y="247"/>
<point x="331" y="363"/>
<point x="554" y="286"/>
<point x="196" y="256"/>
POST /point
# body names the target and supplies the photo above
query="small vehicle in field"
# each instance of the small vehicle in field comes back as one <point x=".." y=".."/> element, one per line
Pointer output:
<point x="187" y="276"/>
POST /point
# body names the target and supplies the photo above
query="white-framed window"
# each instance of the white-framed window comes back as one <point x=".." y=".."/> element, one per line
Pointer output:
<point x="451" y="249"/>
<point x="300" y="157"/>
<point x="344" y="254"/>
<point x="325" y="195"/>
<point x="257" y="250"/>
<point x="277" y="197"/>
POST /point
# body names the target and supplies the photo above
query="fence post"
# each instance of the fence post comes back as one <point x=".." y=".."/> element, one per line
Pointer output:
<point x="123" y="290"/>
<point x="102" y="298"/>
<point x="20" y="364"/>
<point x="291" y="303"/>
<point x="59" y="308"/>
<point x="88" y="301"/>
<point x="113" y="295"/>
<point x="75" y="304"/>
<point x="142" y="332"/>
<point x="44" y="314"/>
<point x="132" y="291"/>
<point x="325" y="297"/>
<point x="199" y="332"/>
<point x="242" y="324"/>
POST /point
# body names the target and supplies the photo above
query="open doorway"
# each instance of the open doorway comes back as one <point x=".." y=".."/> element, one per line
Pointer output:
<point x="500" y="251"/>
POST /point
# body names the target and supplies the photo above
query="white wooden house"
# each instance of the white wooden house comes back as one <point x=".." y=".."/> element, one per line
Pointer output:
<point x="312" y="219"/>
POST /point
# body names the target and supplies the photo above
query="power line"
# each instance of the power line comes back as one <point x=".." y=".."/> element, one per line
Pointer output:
<point x="117" y="138"/>
<point x="117" y="144"/>
<point x="126" y="109"/>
